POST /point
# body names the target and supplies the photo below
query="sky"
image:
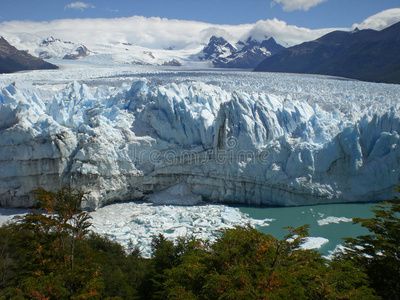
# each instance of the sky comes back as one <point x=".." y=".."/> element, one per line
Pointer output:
<point x="312" y="14"/>
<point x="184" y="24"/>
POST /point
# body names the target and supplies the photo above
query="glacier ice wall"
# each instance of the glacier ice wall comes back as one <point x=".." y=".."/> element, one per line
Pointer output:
<point x="233" y="146"/>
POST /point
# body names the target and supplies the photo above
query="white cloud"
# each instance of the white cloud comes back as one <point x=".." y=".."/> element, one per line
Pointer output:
<point x="381" y="20"/>
<point x="284" y="34"/>
<point x="79" y="6"/>
<point x="158" y="33"/>
<point x="207" y="33"/>
<point x="291" y="5"/>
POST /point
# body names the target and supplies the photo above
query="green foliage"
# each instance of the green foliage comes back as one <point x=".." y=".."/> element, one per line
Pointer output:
<point x="165" y="256"/>
<point x="54" y="256"/>
<point x="7" y="256"/>
<point x="122" y="272"/>
<point x="178" y="268"/>
<point x="378" y="253"/>
<point x="246" y="264"/>
<point x="46" y="264"/>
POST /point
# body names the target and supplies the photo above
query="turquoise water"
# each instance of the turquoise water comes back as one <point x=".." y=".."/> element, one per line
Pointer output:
<point x="297" y="216"/>
<point x="116" y="220"/>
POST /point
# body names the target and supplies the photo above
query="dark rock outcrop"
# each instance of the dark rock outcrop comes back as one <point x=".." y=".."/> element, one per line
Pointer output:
<point x="79" y="52"/>
<point x="172" y="63"/>
<point x="13" y="60"/>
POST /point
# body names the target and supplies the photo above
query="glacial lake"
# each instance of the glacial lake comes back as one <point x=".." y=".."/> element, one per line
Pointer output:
<point x="140" y="222"/>
<point x="320" y="217"/>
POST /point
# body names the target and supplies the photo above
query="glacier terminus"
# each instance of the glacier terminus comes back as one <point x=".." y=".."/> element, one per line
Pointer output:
<point x="184" y="137"/>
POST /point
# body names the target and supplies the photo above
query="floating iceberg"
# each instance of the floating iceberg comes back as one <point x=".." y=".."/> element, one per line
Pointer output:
<point x="314" y="243"/>
<point x="335" y="220"/>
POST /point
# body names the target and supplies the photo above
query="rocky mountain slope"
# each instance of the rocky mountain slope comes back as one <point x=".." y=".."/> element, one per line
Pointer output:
<point x="361" y="54"/>
<point x="13" y="60"/>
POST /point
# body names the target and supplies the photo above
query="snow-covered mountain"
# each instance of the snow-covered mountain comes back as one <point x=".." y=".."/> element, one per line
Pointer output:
<point x="217" y="47"/>
<point x="13" y="60"/>
<point x="55" y="48"/>
<point x="245" y="55"/>
<point x="153" y="41"/>
<point x="227" y="137"/>
<point x="50" y="47"/>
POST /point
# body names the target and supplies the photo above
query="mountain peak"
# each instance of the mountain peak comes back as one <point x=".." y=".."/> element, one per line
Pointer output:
<point x="246" y="55"/>
<point x="217" y="40"/>
<point x="217" y="47"/>
<point x="49" y="40"/>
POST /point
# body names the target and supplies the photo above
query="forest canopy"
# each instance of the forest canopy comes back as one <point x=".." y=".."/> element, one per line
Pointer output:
<point x="54" y="255"/>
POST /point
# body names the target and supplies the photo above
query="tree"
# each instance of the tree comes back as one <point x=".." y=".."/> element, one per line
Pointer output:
<point x="7" y="256"/>
<point x="166" y="256"/>
<point x="123" y="271"/>
<point x="378" y="253"/>
<point x="246" y="264"/>
<point x="185" y="279"/>
<point x="49" y="266"/>
<point x="66" y="219"/>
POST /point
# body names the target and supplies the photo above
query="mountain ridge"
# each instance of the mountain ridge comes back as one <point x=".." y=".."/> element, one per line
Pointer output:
<point x="13" y="60"/>
<point x="244" y="55"/>
<point x="367" y="55"/>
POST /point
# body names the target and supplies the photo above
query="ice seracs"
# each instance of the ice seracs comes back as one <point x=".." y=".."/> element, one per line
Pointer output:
<point x="234" y="138"/>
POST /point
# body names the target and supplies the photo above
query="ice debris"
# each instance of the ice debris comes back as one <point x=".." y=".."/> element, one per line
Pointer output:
<point x="314" y="243"/>
<point x="140" y="222"/>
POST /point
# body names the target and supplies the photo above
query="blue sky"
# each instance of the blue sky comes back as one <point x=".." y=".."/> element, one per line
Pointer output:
<point x="311" y="14"/>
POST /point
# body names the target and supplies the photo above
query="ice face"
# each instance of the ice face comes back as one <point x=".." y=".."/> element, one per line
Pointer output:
<point x="271" y="139"/>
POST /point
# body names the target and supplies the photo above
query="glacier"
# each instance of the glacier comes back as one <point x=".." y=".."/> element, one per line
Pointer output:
<point x="129" y="133"/>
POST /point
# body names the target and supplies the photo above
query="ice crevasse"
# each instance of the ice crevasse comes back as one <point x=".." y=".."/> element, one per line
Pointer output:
<point x="193" y="141"/>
